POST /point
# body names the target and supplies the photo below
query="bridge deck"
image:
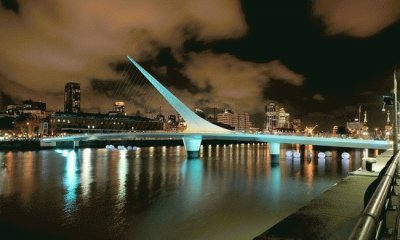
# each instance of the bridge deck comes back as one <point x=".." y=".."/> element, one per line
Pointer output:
<point x="285" y="139"/>
<point x="332" y="215"/>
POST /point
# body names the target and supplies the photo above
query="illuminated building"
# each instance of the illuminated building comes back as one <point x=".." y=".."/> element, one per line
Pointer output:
<point x="72" y="97"/>
<point x="119" y="107"/>
<point x="172" y="123"/>
<point x="357" y="128"/>
<point x="34" y="105"/>
<point x="296" y="124"/>
<point x="283" y="119"/>
<point x="172" y="119"/>
<point x="27" y="107"/>
<point x="28" y="119"/>
<point x="334" y="130"/>
<point x="96" y="122"/>
<point x="239" y="122"/>
<point x="354" y="127"/>
<point x="182" y="125"/>
<point x="388" y="127"/>
<point x="364" y="128"/>
<point x="271" y="117"/>
<point x="243" y="122"/>
<point x="14" y="109"/>
<point x="227" y="117"/>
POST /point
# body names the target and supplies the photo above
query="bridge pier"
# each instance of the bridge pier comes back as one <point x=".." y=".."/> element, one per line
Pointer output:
<point x="47" y="144"/>
<point x="75" y="144"/>
<point x="192" y="145"/>
<point x="274" y="151"/>
<point x="365" y="153"/>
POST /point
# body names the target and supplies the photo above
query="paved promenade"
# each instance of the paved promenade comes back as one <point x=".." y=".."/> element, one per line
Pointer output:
<point x="333" y="214"/>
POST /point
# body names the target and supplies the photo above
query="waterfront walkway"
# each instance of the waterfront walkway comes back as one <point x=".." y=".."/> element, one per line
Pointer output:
<point x="334" y="214"/>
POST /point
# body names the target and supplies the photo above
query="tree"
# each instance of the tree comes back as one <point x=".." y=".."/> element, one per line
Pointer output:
<point x="342" y="130"/>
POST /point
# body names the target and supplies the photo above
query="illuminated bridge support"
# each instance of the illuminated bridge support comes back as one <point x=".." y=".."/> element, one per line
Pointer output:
<point x="192" y="145"/>
<point x="47" y="144"/>
<point x="75" y="144"/>
<point x="274" y="150"/>
<point x="365" y="153"/>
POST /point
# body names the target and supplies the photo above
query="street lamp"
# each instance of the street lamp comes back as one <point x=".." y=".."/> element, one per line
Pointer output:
<point x="395" y="136"/>
<point x="388" y="101"/>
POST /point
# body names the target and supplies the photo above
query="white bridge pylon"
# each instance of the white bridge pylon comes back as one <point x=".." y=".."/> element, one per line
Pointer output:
<point x="195" y="124"/>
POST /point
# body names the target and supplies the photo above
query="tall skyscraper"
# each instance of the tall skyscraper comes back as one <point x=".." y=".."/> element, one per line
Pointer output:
<point x="243" y="122"/>
<point x="72" y="97"/>
<point x="271" y="117"/>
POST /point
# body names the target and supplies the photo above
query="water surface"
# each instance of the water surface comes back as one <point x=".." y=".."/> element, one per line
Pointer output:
<point x="230" y="192"/>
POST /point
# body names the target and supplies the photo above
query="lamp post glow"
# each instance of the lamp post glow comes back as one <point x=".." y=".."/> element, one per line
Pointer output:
<point x="395" y="136"/>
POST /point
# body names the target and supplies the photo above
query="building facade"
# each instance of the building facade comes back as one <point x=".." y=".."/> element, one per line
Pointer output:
<point x="61" y="123"/>
<point x="227" y="117"/>
<point x="296" y="124"/>
<point x="243" y="122"/>
<point x="238" y="122"/>
<point x="283" y="118"/>
<point x="26" y="120"/>
<point x="72" y="97"/>
<point x="271" y="117"/>
<point x="388" y="128"/>
<point x="118" y="108"/>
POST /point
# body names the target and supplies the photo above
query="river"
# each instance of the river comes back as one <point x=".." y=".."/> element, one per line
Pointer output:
<point x="230" y="192"/>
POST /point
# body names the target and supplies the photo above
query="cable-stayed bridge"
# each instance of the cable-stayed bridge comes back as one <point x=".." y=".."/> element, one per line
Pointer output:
<point x="199" y="128"/>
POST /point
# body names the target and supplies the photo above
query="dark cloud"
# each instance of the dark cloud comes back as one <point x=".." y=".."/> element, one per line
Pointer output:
<point x="5" y="100"/>
<point x="359" y="18"/>
<point x="233" y="81"/>
<point x="316" y="58"/>
<point x="105" y="87"/>
<point x="54" y="42"/>
<point x="11" y="5"/>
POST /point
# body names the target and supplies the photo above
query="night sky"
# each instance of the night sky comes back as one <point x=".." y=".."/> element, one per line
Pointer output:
<point x="318" y="59"/>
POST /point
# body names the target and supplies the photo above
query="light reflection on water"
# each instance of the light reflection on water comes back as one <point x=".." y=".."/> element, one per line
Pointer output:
<point x="232" y="191"/>
<point x="71" y="180"/>
<point x="86" y="177"/>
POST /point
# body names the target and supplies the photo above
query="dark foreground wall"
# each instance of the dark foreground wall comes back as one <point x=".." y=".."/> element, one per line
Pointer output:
<point x="23" y="145"/>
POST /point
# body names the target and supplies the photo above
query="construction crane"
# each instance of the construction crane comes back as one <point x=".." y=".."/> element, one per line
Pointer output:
<point x="309" y="131"/>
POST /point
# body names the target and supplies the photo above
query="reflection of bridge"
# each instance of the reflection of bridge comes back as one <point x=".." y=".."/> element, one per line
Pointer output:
<point x="198" y="129"/>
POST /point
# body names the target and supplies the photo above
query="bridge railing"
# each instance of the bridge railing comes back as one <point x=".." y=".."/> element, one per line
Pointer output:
<point x="373" y="219"/>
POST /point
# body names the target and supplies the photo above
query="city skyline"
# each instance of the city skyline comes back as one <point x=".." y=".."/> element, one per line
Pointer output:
<point x="275" y="116"/>
<point x="320" y="60"/>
